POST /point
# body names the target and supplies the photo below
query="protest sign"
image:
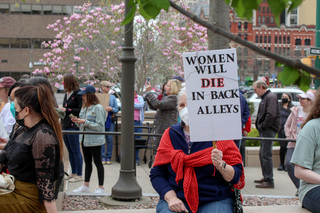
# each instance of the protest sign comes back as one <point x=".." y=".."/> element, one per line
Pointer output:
<point x="3" y="131"/>
<point x="213" y="95"/>
<point x="104" y="99"/>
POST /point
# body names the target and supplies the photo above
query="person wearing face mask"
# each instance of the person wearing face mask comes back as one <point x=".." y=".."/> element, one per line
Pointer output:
<point x="292" y="128"/>
<point x="33" y="152"/>
<point x="285" y="111"/>
<point x="167" y="113"/>
<point x="194" y="177"/>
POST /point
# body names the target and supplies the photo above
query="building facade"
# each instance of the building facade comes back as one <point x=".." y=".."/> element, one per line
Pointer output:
<point x="23" y="28"/>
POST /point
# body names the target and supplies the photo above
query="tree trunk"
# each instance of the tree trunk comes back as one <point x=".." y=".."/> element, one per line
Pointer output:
<point x="219" y="16"/>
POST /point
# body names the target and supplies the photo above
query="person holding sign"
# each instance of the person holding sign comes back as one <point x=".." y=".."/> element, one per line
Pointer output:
<point x="194" y="176"/>
<point x="268" y="124"/>
<point x="167" y="113"/>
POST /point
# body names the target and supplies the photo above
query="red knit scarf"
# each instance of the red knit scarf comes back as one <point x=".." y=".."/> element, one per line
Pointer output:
<point x="183" y="165"/>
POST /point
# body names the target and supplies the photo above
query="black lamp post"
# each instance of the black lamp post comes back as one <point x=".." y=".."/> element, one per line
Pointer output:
<point x="127" y="187"/>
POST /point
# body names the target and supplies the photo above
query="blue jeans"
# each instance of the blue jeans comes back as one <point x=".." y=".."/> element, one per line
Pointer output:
<point x="109" y="140"/>
<point x="265" y="155"/>
<point x="221" y="206"/>
<point x="290" y="168"/>
<point x="311" y="200"/>
<point x="139" y="130"/>
<point x="75" y="157"/>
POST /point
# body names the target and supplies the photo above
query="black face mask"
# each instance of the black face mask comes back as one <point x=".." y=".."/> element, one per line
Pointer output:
<point x="20" y="122"/>
<point x="285" y="100"/>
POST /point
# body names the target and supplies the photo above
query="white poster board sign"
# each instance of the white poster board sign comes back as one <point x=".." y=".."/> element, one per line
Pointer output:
<point x="213" y="95"/>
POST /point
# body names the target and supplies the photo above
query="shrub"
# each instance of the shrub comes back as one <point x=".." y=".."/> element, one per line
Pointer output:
<point x="255" y="133"/>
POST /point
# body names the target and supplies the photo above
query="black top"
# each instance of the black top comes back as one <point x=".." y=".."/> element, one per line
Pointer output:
<point x="32" y="155"/>
<point x="73" y="106"/>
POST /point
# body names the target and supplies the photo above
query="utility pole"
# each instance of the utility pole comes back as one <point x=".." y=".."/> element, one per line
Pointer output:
<point x="317" y="64"/>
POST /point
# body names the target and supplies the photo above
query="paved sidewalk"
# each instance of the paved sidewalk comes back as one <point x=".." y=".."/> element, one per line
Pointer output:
<point x="284" y="188"/>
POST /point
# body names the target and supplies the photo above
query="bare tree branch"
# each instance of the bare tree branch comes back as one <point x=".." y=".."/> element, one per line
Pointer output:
<point x="292" y="63"/>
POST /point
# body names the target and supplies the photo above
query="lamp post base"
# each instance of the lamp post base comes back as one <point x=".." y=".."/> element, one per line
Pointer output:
<point x="127" y="187"/>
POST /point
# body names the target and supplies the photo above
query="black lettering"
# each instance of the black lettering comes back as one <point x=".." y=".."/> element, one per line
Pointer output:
<point x="200" y="69"/>
<point x="200" y="111"/>
<point x="191" y="60"/>
<point x="230" y="57"/>
<point x="221" y="69"/>
<point x="211" y="59"/>
<point x="235" y="108"/>
<point x="234" y="93"/>
<point x="202" y="60"/>
<point x="208" y="111"/>
<point x="221" y="58"/>
<point x="229" y="107"/>
<point x="197" y="96"/>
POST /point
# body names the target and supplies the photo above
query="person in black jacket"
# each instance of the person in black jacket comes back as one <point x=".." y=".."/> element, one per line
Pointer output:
<point x="268" y="124"/>
<point x="72" y="103"/>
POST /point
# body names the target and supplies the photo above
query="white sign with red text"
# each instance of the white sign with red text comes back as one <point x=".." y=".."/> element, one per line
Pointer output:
<point x="213" y="95"/>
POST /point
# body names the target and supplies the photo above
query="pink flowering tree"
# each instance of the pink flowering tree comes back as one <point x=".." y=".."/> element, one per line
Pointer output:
<point x="89" y="45"/>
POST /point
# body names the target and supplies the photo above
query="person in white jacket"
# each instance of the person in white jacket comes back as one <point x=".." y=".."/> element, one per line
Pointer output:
<point x="6" y="116"/>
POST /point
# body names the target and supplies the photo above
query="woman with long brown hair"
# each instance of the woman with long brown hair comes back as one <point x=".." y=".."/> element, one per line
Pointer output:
<point x="92" y="117"/>
<point x="306" y="159"/>
<point x="71" y="105"/>
<point x="33" y="153"/>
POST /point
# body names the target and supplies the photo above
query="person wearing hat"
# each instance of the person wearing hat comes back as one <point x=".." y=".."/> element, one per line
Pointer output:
<point x="5" y="115"/>
<point x="112" y="110"/>
<point x="292" y="127"/>
<point x="92" y="117"/>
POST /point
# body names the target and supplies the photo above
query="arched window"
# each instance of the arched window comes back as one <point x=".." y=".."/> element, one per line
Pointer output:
<point x="307" y="41"/>
<point x="298" y="41"/>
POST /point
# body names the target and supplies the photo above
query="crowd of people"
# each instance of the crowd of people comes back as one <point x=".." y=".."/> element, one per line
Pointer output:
<point x="31" y="144"/>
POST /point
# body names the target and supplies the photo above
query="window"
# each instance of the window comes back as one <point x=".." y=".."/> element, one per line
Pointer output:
<point x="298" y="41"/>
<point x="265" y="39"/>
<point x="259" y="9"/>
<point x="288" y="40"/>
<point x="284" y="40"/>
<point x="275" y="50"/>
<point x="259" y="19"/>
<point x="275" y="39"/>
<point x="307" y="41"/>
<point x="4" y="42"/>
<point x="269" y="49"/>
<point x="47" y="9"/>
<point x="25" y="42"/>
<point x="239" y="25"/>
<point x="260" y="39"/>
<point x="279" y="50"/>
<point x="279" y="39"/>
<point x="263" y="9"/>
<point x="245" y="37"/>
<point x="4" y="8"/>
<point x="271" y="19"/>
<point x="25" y="9"/>
<point x="263" y="19"/>
<point x="267" y="19"/>
<point x="245" y="25"/>
<point x="239" y="35"/>
<point x="257" y="39"/>
<point x="36" y="42"/>
<point x="267" y="9"/>
<point x="66" y="10"/>
<point x="269" y="39"/>
<point x="288" y="51"/>
<point x="14" y="9"/>
<point x="15" y="42"/>
<point x="57" y="10"/>
<point x="36" y="9"/>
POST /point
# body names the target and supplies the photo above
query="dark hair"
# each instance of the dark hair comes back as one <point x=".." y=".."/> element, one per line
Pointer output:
<point x="40" y="100"/>
<point x="290" y="102"/>
<point x="42" y="81"/>
<point x="70" y="82"/>
<point x="91" y="100"/>
<point x="17" y="84"/>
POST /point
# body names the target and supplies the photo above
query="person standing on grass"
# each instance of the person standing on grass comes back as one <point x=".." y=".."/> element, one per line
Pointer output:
<point x="92" y="117"/>
<point x="268" y="124"/>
